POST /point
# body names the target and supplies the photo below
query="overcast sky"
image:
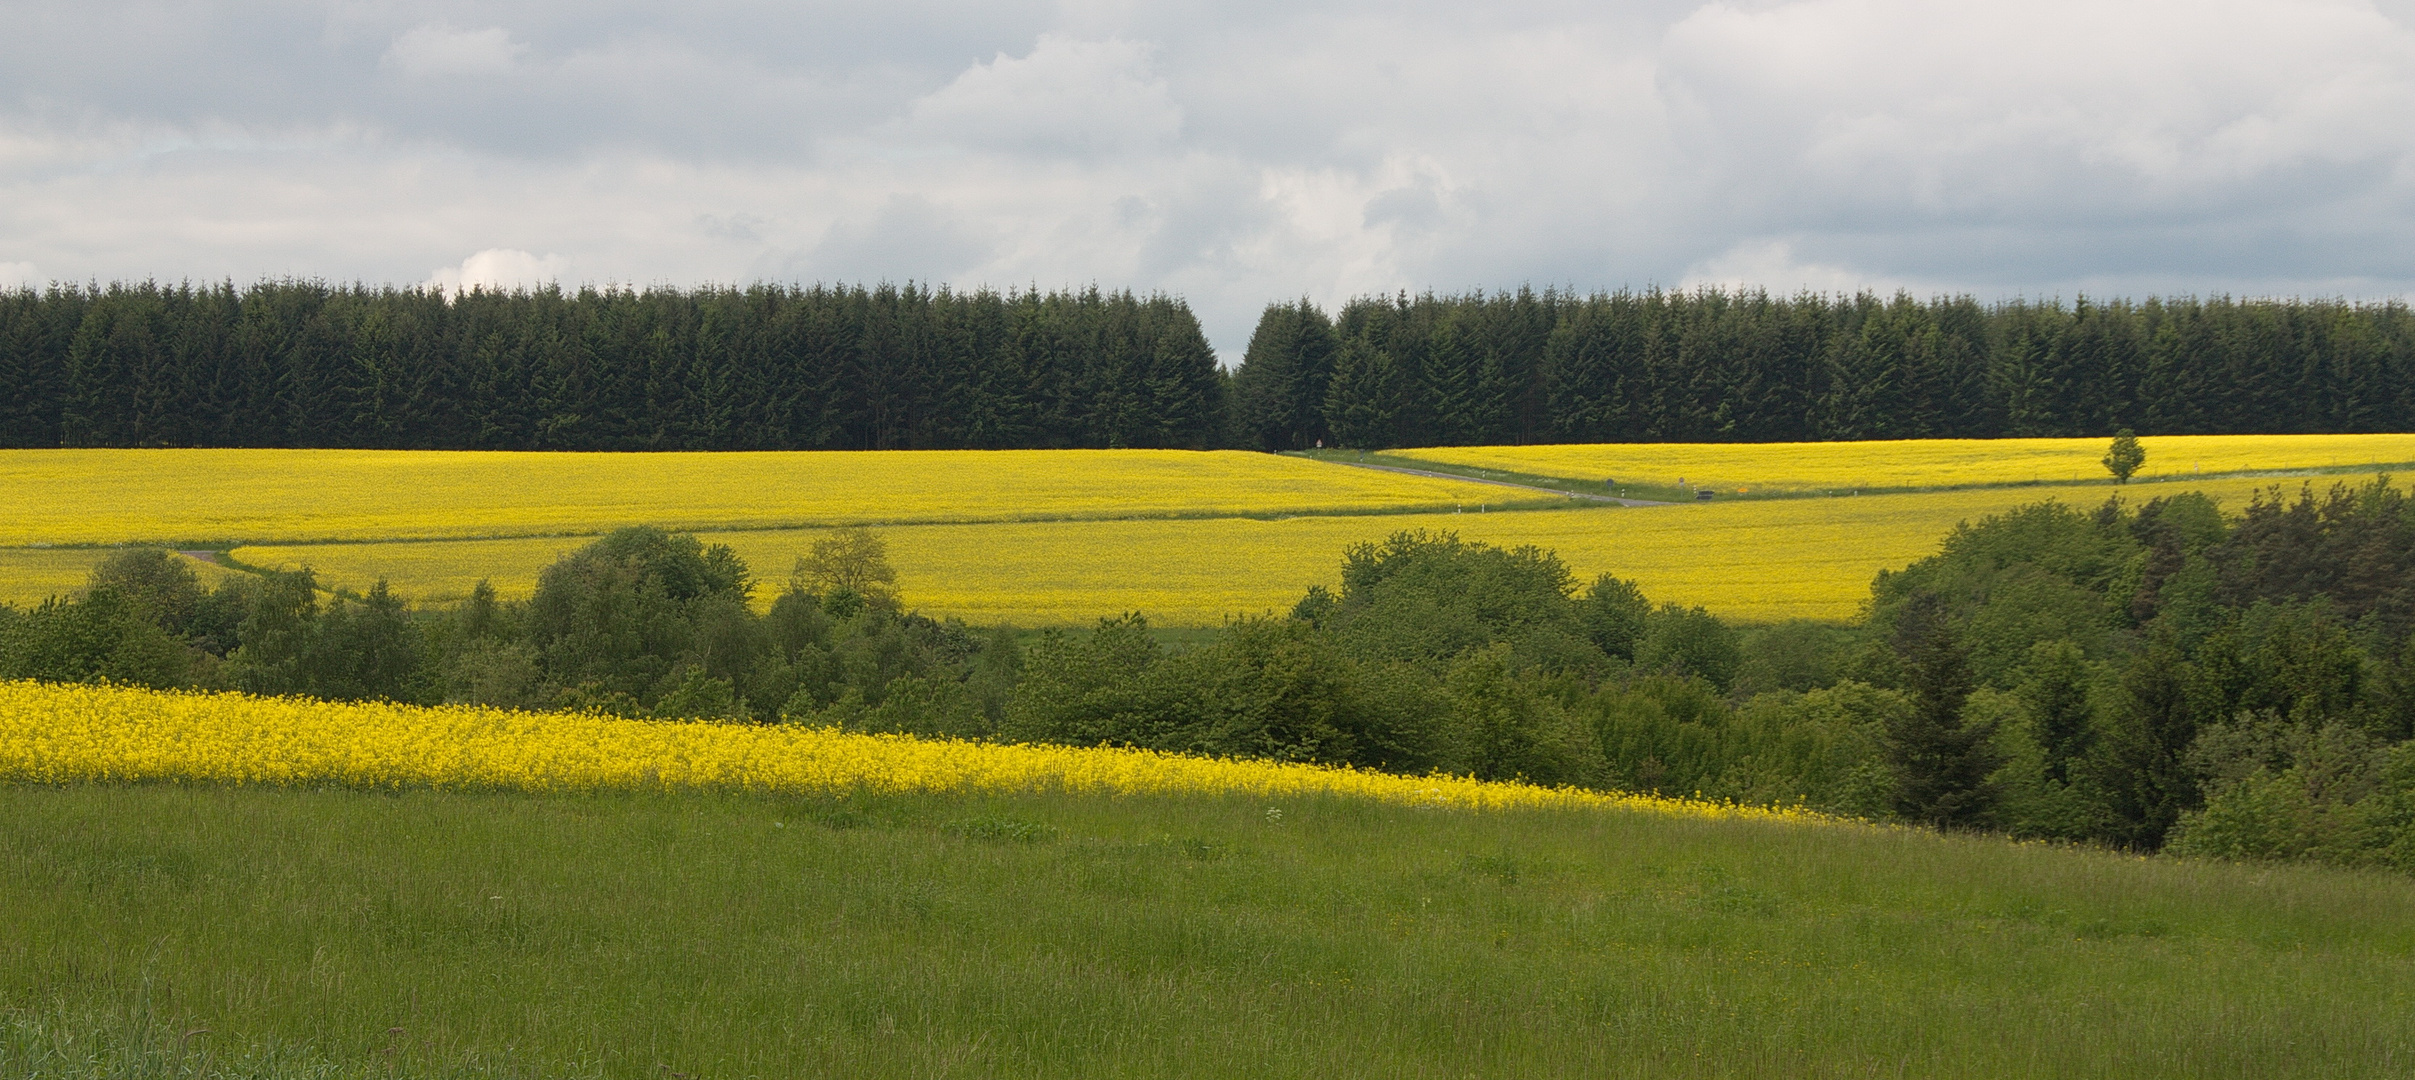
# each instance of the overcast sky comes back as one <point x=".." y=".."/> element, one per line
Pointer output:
<point x="1231" y="153"/>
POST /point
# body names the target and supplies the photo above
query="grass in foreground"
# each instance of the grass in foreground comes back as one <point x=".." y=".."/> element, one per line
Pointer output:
<point x="612" y="898"/>
<point x="1753" y="560"/>
<point x="168" y="930"/>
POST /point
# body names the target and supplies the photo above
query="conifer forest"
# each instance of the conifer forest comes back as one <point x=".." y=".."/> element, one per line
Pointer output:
<point x="767" y="367"/>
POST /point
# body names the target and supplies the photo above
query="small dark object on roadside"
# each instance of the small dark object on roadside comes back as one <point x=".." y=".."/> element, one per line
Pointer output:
<point x="1703" y="495"/>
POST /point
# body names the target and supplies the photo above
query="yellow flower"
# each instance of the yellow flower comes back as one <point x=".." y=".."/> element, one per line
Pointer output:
<point x="1921" y="463"/>
<point x="66" y="734"/>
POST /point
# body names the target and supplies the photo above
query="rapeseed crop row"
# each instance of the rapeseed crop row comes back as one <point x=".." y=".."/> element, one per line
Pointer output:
<point x="122" y="496"/>
<point x="1180" y="536"/>
<point x="29" y="576"/>
<point x="79" y="734"/>
<point x="95" y="497"/>
<point x="1919" y="463"/>
<point x="1800" y="558"/>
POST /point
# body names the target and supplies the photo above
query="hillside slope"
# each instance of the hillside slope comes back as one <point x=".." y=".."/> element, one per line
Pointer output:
<point x="330" y="932"/>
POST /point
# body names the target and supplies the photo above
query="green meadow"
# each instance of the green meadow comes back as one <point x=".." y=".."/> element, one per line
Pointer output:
<point x="170" y="931"/>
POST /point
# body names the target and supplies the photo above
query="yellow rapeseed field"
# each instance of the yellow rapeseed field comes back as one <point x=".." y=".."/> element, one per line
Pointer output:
<point x="30" y="575"/>
<point x="1170" y="535"/>
<point x="1922" y="463"/>
<point x="82" y="734"/>
<point x="1780" y="559"/>
<point x="117" y="496"/>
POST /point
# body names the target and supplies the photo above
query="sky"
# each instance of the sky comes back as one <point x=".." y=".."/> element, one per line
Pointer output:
<point x="1232" y="153"/>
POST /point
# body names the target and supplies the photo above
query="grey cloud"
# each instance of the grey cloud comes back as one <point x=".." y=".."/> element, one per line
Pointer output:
<point x="1899" y="109"/>
<point x="1416" y="207"/>
<point x="537" y="78"/>
<point x="1234" y="153"/>
<point x="438" y="50"/>
<point x="907" y="239"/>
<point x="742" y="227"/>
<point x="1065" y="97"/>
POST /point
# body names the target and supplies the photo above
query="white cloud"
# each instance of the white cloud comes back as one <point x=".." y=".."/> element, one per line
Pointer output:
<point x="498" y="268"/>
<point x="1066" y="96"/>
<point x="14" y="275"/>
<point x="438" y="50"/>
<point x="1772" y="265"/>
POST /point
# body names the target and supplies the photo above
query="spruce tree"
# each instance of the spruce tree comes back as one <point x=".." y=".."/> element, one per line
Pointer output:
<point x="2147" y="781"/>
<point x="1940" y="760"/>
<point x="1311" y="346"/>
<point x="1262" y="385"/>
<point x="1279" y="391"/>
<point x="852" y="367"/>
<point x="1362" y="404"/>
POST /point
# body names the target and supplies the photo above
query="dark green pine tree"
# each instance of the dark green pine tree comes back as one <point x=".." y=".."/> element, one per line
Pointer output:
<point x="832" y="366"/>
<point x="2025" y="361"/>
<point x="1453" y="383"/>
<point x="1585" y="365"/>
<point x="33" y="333"/>
<point x="2147" y="783"/>
<point x="1363" y="402"/>
<point x="1941" y="760"/>
<point x="1868" y="371"/>
<point x="1279" y="391"/>
<point x="1262" y="385"/>
<point x="1186" y="391"/>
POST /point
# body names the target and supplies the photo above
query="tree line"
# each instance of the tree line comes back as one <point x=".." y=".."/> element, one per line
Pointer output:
<point x="1718" y="366"/>
<point x="302" y="364"/>
<point x="639" y="623"/>
<point x="2157" y="676"/>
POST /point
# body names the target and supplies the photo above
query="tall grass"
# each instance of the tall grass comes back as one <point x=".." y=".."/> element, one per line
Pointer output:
<point x="626" y="935"/>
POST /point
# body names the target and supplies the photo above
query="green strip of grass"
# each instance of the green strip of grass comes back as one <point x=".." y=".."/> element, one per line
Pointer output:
<point x="1504" y="476"/>
<point x="177" y="931"/>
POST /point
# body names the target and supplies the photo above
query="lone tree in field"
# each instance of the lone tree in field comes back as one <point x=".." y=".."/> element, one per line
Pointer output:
<point x="849" y="563"/>
<point x="2125" y="457"/>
